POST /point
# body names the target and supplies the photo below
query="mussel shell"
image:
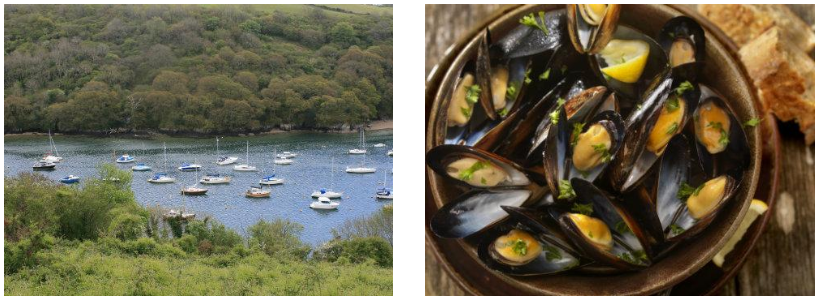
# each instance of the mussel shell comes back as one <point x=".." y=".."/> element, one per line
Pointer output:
<point x="439" y="158"/>
<point x="635" y="161"/>
<point x="526" y="40"/>
<point x="686" y="28"/>
<point x="735" y="159"/>
<point x="589" y="38"/>
<point x="543" y="223"/>
<point x="613" y="123"/>
<point x="483" y="77"/>
<point x="539" y="266"/>
<point x="474" y="211"/>
<point x="657" y="65"/>
<point x="625" y="241"/>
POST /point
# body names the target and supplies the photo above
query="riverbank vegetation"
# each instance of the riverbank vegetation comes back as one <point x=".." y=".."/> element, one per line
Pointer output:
<point x="195" y="68"/>
<point x="94" y="239"/>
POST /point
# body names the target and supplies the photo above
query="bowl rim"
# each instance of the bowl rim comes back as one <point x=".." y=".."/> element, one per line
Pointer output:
<point x="440" y="72"/>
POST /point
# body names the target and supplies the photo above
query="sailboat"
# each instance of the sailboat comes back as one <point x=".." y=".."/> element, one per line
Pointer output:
<point x="141" y="166"/>
<point x="361" y="168"/>
<point x="282" y="159"/>
<point x="286" y="155"/>
<point x="223" y="160"/>
<point x="214" y="178"/>
<point x="324" y="203"/>
<point x="257" y="192"/>
<point x="272" y="179"/>
<point x="384" y="193"/>
<point x="362" y="145"/>
<point x="389" y="153"/>
<point x="125" y="158"/>
<point x="52" y="156"/>
<point x="245" y="166"/>
<point x="162" y="177"/>
<point x="329" y="193"/>
<point x="193" y="190"/>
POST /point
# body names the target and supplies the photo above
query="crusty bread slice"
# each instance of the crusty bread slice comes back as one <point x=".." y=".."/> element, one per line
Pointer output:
<point x="745" y="22"/>
<point x="784" y="77"/>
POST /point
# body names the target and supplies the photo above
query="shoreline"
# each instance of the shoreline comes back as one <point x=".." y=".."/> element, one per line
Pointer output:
<point x="380" y="125"/>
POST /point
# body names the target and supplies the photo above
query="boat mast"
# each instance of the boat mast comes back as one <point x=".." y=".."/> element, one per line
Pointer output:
<point x="275" y="157"/>
<point x="248" y="153"/>
<point x="165" y="155"/>
<point x="217" y="147"/>
<point x="332" y="174"/>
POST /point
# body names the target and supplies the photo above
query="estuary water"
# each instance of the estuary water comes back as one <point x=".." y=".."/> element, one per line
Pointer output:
<point x="311" y="170"/>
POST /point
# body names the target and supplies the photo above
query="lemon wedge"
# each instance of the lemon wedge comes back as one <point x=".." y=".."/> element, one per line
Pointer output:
<point x="757" y="208"/>
<point x="626" y="59"/>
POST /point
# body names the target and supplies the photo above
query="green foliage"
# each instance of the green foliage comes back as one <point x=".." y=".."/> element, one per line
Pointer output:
<point x="278" y="238"/>
<point x="357" y="250"/>
<point x="195" y="68"/>
<point x="127" y="226"/>
<point x="378" y="224"/>
<point x="24" y="252"/>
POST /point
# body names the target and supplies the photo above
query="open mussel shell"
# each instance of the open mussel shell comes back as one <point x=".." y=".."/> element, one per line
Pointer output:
<point x="619" y="241"/>
<point x="591" y="26"/>
<point x="650" y="128"/>
<point x="541" y="221"/>
<point x="682" y="38"/>
<point x="548" y="259"/>
<point x="527" y="40"/>
<point x="612" y="123"/>
<point x="678" y="171"/>
<point x="725" y="153"/>
<point x="629" y="62"/>
<point x="476" y="168"/>
<point x="474" y="211"/>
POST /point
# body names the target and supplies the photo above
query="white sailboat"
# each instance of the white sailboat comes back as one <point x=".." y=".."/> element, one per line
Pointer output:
<point x="272" y="179"/>
<point x="283" y="159"/>
<point x="384" y="193"/>
<point x="361" y="144"/>
<point x="163" y="177"/>
<point x="324" y="203"/>
<point x="193" y="189"/>
<point x="53" y="155"/>
<point x="223" y="160"/>
<point x="246" y="166"/>
<point x="215" y="179"/>
<point x="323" y="192"/>
<point x="360" y="169"/>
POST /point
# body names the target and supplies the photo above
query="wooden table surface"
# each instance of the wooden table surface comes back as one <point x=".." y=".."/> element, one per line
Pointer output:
<point x="783" y="261"/>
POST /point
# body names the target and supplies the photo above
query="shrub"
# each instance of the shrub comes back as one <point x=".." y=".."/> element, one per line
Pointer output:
<point x="127" y="226"/>
<point x="205" y="247"/>
<point x="279" y="238"/>
<point x="187" y="243"/>
<point x="221" y="239"/>
<point x="24" y="253"/>
<point x="356" y="250"/>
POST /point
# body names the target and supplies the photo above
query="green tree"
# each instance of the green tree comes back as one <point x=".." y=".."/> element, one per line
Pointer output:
<point x="343" y="34"/>
<point x="278" y="238"/>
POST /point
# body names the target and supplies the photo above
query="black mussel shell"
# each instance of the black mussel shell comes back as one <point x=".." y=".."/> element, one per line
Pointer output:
<point x="686" y="32"/>
<point x="474" y="211"/>
<point x="526" y="40"/>
<point x="439" y="158"/>
<point x="613" y="123"/>
<point x="552" y="259"/>
<point x="627" y="251"/>
<point x="543" y="223"/>
<point x="735" y="158"/>
<point x="588" y="37"/>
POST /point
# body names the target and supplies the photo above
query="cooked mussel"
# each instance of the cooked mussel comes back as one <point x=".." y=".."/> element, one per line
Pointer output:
<point x="537" y="33"/>
<point x="603" y="231"/>
<point x="682" y="38"/>
<point x="591" y="26"/>
<point x="475" y="168"/>
<point x="721" y="141"/>
<point x="474" y="211"/>
<point x="516" y="249"/>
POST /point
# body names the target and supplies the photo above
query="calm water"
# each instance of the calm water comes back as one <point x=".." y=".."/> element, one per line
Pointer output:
<point x="226" y="203"/>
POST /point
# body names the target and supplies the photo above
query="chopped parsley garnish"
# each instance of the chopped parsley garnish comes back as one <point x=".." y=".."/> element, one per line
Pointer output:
<point x="511" y="92"/>
<point x="469" y="172"/>
<point x="527" y="79"/>
<point x="503" y="112"/>
<point x="590" y="234"/>
<point x="566" y="191"/>
<point x="531" y="20"/>
<point x="519" y="247"/>
<point x="482" y="180"/>
<point x="466" y="112"/>
<point x="684" y="87"/>
<point x="622" y="227"/>
<point x="675" y="229"/>
<point x="544" y="75"/>
<point x="752" y="122"/>
<point x="686" y="190"/>
<point x="555" y="115"/>
<point x="638" y="106"/>
<point x="672" y="128"/>
<point x="584" y="209"/>
<point x="637" y="257"/>
<point x="577" y="131"/>
<point x="560" y="101"/>
<point x="603" y="150"/>
<point x="672" y="104"/>
<point x="552" y="253"/>
<point x="473" y="94"/>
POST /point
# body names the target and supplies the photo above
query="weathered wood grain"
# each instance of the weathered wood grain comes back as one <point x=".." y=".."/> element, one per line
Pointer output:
<point x="783" y="262"/>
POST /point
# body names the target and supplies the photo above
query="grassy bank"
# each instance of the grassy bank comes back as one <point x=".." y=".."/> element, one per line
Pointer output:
<point x="88" y="269"/>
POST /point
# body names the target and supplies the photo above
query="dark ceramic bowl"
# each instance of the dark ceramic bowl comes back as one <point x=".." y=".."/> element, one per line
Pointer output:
<point x="722" y="71"/>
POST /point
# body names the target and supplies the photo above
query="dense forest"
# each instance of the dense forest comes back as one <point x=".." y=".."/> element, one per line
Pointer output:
<point x="96" y="240"/>
<point x="195" y="68"/>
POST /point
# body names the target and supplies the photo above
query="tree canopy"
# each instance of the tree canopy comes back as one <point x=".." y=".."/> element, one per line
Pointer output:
<point x="193" y="68"/>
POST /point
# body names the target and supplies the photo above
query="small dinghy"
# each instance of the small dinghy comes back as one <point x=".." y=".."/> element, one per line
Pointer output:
<point x="71" y="179"/>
